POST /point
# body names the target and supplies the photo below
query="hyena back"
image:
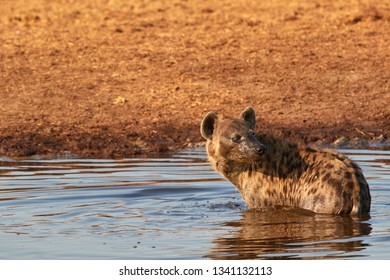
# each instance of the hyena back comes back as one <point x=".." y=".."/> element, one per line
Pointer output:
<point x="270" y="172"/>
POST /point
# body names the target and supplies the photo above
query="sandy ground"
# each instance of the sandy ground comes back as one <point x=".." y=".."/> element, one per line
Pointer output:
<point x="115" y="78"/>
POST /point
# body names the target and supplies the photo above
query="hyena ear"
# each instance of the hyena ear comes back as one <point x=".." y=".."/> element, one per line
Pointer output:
<point x="249" y="116"/>
<point x="207" y="126"/>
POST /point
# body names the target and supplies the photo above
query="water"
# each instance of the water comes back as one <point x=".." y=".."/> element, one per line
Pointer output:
<point x="172" y="208"/>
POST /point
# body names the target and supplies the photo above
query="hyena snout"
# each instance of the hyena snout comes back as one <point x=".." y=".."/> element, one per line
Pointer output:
<point x="255" y="148"/>
<point x="255" y="144"/>
<point x="260" y="149"/>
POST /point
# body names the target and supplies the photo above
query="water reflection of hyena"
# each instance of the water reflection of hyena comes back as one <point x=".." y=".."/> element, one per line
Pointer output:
<point x="285" y="234"/>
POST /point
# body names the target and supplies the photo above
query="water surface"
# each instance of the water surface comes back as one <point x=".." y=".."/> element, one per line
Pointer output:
<point x="173" y="208"/>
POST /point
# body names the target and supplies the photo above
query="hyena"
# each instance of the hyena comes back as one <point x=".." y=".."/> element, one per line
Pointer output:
<point x="271" y="172"/>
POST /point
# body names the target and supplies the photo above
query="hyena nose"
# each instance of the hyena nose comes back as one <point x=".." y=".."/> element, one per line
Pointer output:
<point x="261" y="149"/>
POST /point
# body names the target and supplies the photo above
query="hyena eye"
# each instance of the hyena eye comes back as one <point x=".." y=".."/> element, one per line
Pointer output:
<point x="236" y="138"/>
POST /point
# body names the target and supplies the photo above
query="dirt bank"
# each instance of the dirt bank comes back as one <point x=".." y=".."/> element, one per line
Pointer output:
<point x="115" y="79"/>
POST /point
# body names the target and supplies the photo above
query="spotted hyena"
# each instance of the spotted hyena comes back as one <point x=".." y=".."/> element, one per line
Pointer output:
<point x="270" y="172"/>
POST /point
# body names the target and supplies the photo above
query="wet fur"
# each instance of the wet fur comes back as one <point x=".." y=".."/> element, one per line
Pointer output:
<point x="286" y="174"/>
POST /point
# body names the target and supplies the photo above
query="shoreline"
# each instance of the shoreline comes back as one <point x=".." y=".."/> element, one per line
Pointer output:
<point x="380" y="143"/>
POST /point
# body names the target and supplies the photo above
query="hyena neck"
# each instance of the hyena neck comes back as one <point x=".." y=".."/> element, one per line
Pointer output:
<point x="231" y="170"/>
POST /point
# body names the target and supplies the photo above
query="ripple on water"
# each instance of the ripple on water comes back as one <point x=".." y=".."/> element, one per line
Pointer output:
<point x="172" y="208"/>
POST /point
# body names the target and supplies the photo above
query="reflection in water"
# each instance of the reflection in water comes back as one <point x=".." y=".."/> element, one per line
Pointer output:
<point x="172" y="208"/>
<point x="286" y="234"/>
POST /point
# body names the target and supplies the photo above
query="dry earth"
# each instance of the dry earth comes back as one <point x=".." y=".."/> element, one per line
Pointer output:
<point x="116" y="78"/>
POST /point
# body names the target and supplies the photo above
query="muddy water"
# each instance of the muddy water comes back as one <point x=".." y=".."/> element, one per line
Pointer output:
<point x="172" y="208"/>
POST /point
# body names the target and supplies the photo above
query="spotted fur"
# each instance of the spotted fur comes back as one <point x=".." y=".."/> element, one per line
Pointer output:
<point x="271" y="172"/>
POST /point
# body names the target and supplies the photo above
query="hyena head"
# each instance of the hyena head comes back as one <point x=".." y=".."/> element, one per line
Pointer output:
<point x="232" y="139"/>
